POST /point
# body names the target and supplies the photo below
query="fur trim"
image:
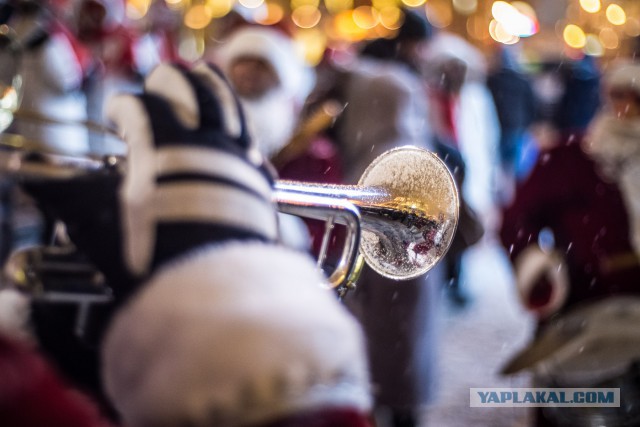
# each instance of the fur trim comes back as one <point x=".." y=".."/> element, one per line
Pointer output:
<point x="235" y="334"/>
<point x="273" y="46"/>
<point x="530" y="266"/>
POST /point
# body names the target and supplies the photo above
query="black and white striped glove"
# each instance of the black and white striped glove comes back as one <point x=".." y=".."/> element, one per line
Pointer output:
<point x="193" y="176"/>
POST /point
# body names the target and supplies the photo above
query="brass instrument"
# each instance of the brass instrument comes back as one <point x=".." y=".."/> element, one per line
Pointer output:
<point x="400" y="218"/>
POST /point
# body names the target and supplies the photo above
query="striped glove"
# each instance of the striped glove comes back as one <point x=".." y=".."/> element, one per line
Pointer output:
<point x="193" y="176"/>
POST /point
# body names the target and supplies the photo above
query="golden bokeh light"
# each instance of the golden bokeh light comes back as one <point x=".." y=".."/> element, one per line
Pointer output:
<point x="345" y="28"/>
<point x="198" y="16"/>
<point x="366" y="17"/>
<point x="616" y="14"/>
<point x="465" y="7"/>
<point x="390" y="17"/>
<point x="477" y="27"/>
<point x="306" y="16"/>
<point x="174" y="4"/>
<point x="336" y="6"/>
<point x="137" y="9"/>
<point x="274" y="14"/>
<point x="312" y="43"/>
<point x="298" y="3"/>
<point x="574" y="36"/>
<point x="591" y="6"/>
<point x="439" y="13"/>
<point x="413" y="3"/>
<point x="609" y="38"/>
<point x="219" y="8"/>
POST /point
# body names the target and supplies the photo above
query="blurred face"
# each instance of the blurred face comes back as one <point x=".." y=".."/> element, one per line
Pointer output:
<point x="624" y="103"/>
<point x="91" y="18"/>
<point x="252" y="77"/>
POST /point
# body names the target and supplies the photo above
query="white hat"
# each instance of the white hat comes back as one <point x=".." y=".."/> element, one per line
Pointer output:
<point x="276" y="48"/>
<point x="624" y="76"/>
<point x="236" y="335"/>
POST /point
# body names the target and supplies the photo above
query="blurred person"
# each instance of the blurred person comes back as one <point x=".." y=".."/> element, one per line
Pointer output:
<point x="568" y="231"/>
<point x="271" y="79"/>
<point x="120" y="53"/>
<point x="567" y="196"/>
<point x="467" y="117"/>
<point x="447" y="76"/>
<point x="515" y="103"/>
<point x="614" y="138"/>
<point x="386" y="107"/>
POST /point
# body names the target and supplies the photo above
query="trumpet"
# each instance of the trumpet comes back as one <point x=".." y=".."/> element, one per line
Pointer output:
<point x="400" y="218"/>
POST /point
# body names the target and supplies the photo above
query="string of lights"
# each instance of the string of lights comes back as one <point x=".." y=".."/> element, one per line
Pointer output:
<point x="594" y="27"/>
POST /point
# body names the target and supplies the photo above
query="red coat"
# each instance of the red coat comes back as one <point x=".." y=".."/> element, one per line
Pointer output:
<point x="567" y="194"/>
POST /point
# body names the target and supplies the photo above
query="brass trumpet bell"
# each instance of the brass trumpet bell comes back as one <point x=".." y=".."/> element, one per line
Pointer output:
<point x="405" y="207"/>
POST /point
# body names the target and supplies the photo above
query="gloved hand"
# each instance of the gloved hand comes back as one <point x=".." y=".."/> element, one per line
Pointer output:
<point x="193" y="177"/>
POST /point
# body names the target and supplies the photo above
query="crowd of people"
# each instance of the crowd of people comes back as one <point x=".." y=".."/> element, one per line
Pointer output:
<point x="216" y="316"/>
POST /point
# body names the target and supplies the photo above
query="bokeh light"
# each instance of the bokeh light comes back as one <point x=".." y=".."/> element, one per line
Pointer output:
<point x="609" y="38"/>
<point x="616" y="14"/>
<point x="390" y="17"/>
<point x="591" y="6"/>
<point x="137" y="9"/>
<point x="465" y="7"/>
<point x="312" y="43"/>
<point x="336" y="6"/>
<point x="306" y="16"/>
<point x="513" y="20"/>
<point x="219" y="8"/>
<point x="574" y="36"/>
<point x="198" y="16"/>
<point x="477" y="27"/>
<point x="499" y="34"/>
<point x="274" y="14"/>
<point x="413" y="3"/>
<point x="439" y="13"/>
<point x="365" y="17"/>
<point x="345" y="28"/>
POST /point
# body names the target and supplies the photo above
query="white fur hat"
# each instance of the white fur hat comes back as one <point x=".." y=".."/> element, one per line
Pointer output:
<point x="236" y="335"/>
<point x="624" y="76"/>
<point x="276" y="48"/>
